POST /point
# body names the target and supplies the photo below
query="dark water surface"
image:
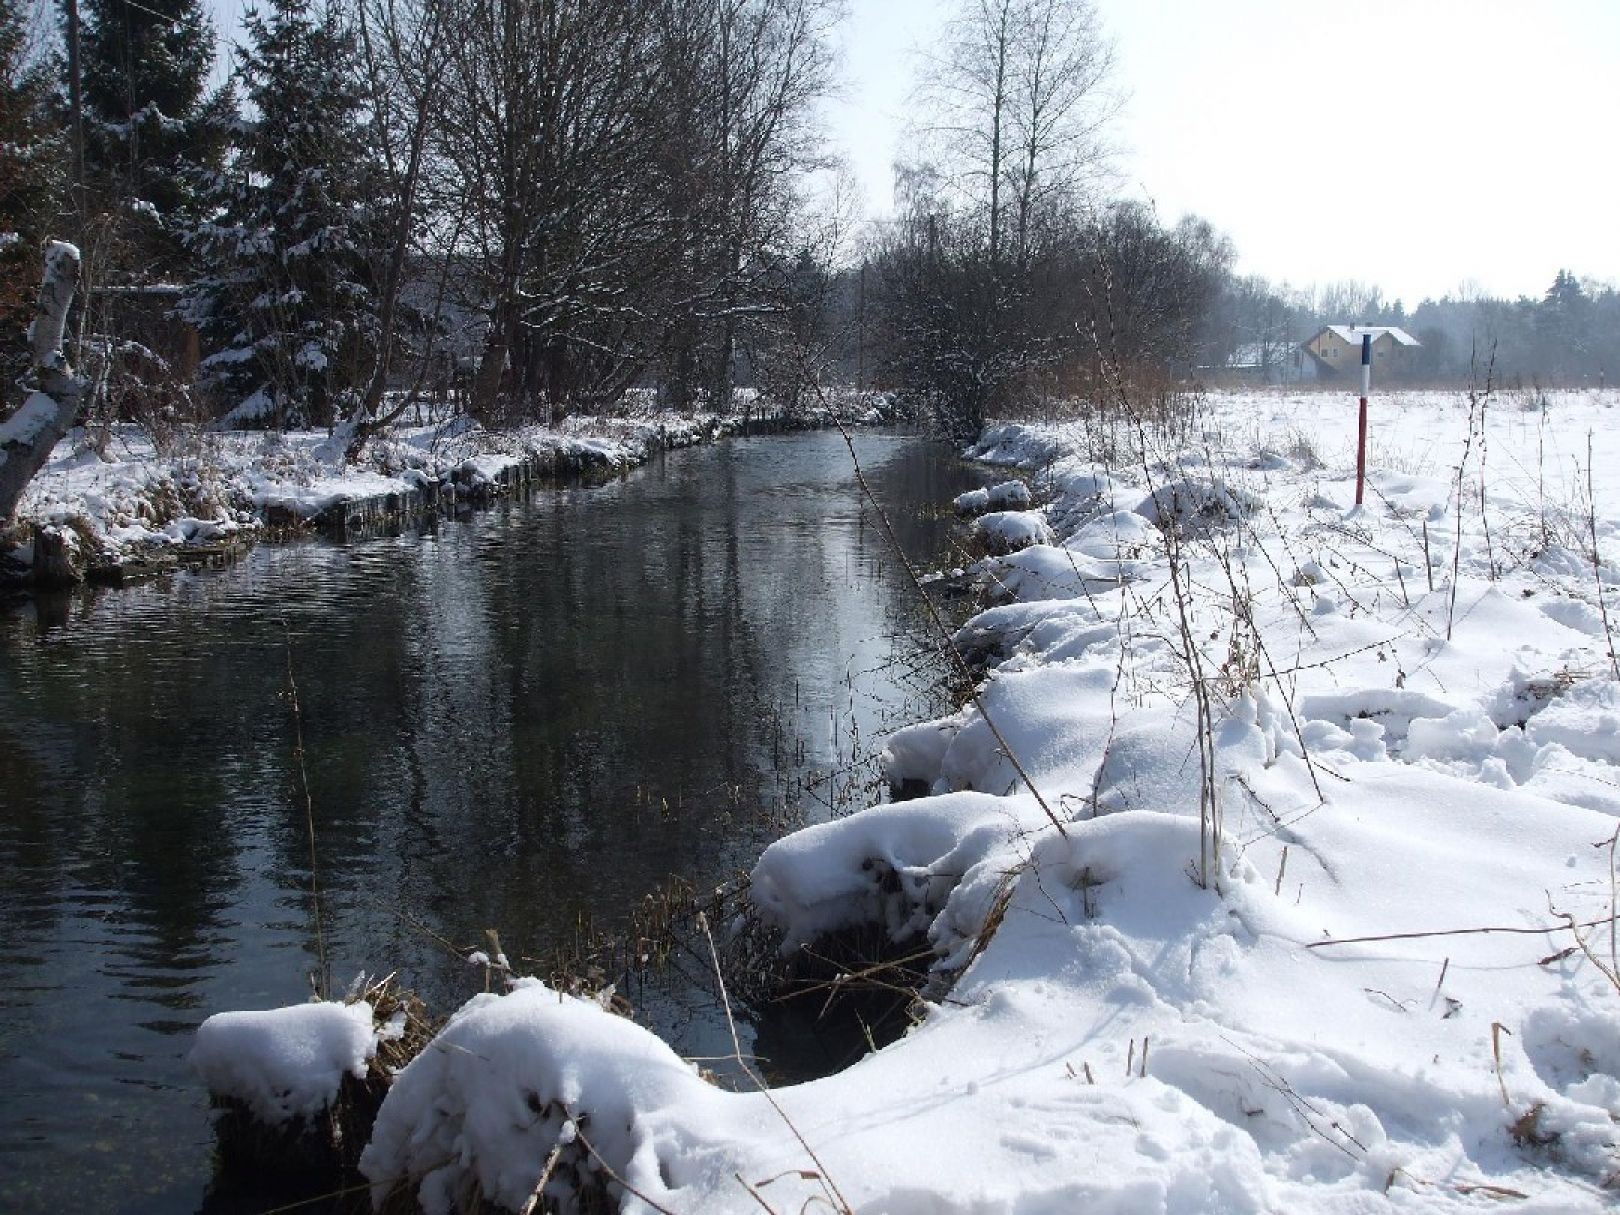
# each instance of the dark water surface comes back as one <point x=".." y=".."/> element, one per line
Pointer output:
<point x="532" y="716"/>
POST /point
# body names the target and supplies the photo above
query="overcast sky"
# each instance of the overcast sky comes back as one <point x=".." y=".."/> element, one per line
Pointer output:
<point x="1416" y="144"/>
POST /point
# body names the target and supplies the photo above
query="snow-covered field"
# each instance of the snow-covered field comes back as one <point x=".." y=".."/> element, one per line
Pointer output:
<point x="131" y="498"/>
<point x="1221" y="944"/>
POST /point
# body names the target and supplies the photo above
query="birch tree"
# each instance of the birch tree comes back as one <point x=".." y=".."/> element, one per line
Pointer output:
<point x="1019" y="104"/>
<point x="56" y="392"/>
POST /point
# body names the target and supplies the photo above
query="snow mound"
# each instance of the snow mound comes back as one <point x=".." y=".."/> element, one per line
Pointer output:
<point x="513" y="1078"/>
<point x="1018" y="445"/>
<point x="1197" y="502"/>
<point x="1113" y="535"/>
<point x="1570" y="1046"/>
<point x="1585" y="721"/>
<point x="1005" y="496"/>
<point x="1042" y="571"/>
<point x="890" y="866"/>
<point x="1007" y="531"/>
<point x="284" y="1063"/>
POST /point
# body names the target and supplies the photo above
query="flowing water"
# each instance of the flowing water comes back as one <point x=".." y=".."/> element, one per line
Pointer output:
<point x="525" y="719"/>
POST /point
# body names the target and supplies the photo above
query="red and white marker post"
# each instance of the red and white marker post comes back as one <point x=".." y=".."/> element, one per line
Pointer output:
<point x="1361" y="435"/>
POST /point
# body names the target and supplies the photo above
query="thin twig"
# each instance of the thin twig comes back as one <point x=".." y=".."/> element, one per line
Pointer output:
<point x="533" y="1199"/>
<point x="1462" y="932"/>
<point x="823" y="1177"/>
<point x="609" y="1169"/>
<point x="753" y="1193"/>
<point x="1597" y="562"/>
<point x="1474" y="418"/>
<point x="1497" y="1030"/>
<point x="318" y="1199"/>
<point x="323" y="980"/>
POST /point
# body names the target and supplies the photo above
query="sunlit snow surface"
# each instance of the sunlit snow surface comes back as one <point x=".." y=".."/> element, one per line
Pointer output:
<point x="129" y="494"/>
<point x="1430" y="753"/>
<point x="285" y="1063"/>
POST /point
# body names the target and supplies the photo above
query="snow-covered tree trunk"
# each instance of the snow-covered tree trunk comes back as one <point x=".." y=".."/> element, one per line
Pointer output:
<point x="29" y="435"/>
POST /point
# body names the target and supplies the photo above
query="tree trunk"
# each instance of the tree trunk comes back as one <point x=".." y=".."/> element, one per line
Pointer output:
<point x="370" y="418"/>
<point x="59" y="559"/>
<point x="29" y="435"/>
<point x="487" y="382"/>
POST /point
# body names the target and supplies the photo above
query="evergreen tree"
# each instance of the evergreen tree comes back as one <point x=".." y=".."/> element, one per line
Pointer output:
<point x="31" y="180"/>
<point x="148" y="125"/>
<point x="1562" y="322"/>
<point x="287" y="309"/>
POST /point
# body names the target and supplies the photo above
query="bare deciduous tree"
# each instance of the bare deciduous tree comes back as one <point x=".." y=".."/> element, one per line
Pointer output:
<point x="403" y="51"/>
<point x="1016" y="108"/>
<point x="550" y="110"/>
<point x="1019" y="101"/>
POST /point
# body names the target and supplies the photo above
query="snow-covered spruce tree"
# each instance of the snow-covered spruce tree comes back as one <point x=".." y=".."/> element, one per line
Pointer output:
<point x="148" y="127"/>
<point x="31" y="177"/>
<point x="286" y="307"/>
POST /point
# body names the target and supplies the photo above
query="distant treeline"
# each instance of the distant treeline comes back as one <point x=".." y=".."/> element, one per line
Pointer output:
<point x="532" y="207"/>
<point x="1568" y="337"/>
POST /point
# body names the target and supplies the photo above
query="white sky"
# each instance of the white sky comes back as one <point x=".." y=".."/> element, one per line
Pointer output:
<point x="1416" y="144"/>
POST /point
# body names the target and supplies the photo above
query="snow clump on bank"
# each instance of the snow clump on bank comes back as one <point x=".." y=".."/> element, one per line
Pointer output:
<point x="284" y="1063"/>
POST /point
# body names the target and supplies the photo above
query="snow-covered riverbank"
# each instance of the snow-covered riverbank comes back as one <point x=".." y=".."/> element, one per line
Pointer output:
<point x="134" y="502"/>
<point x="1299" y="898"/>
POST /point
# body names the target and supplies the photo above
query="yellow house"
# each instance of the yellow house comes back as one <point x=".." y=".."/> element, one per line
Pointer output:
<point x="1336" y="350"/>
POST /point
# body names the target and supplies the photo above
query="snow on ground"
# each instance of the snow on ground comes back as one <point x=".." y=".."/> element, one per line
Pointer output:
<point x="1149" y="1015"/>
<point x="132" y="497"/>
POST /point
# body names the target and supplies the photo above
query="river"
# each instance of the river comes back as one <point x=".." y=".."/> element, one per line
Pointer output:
<point x="525" y="719"/>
